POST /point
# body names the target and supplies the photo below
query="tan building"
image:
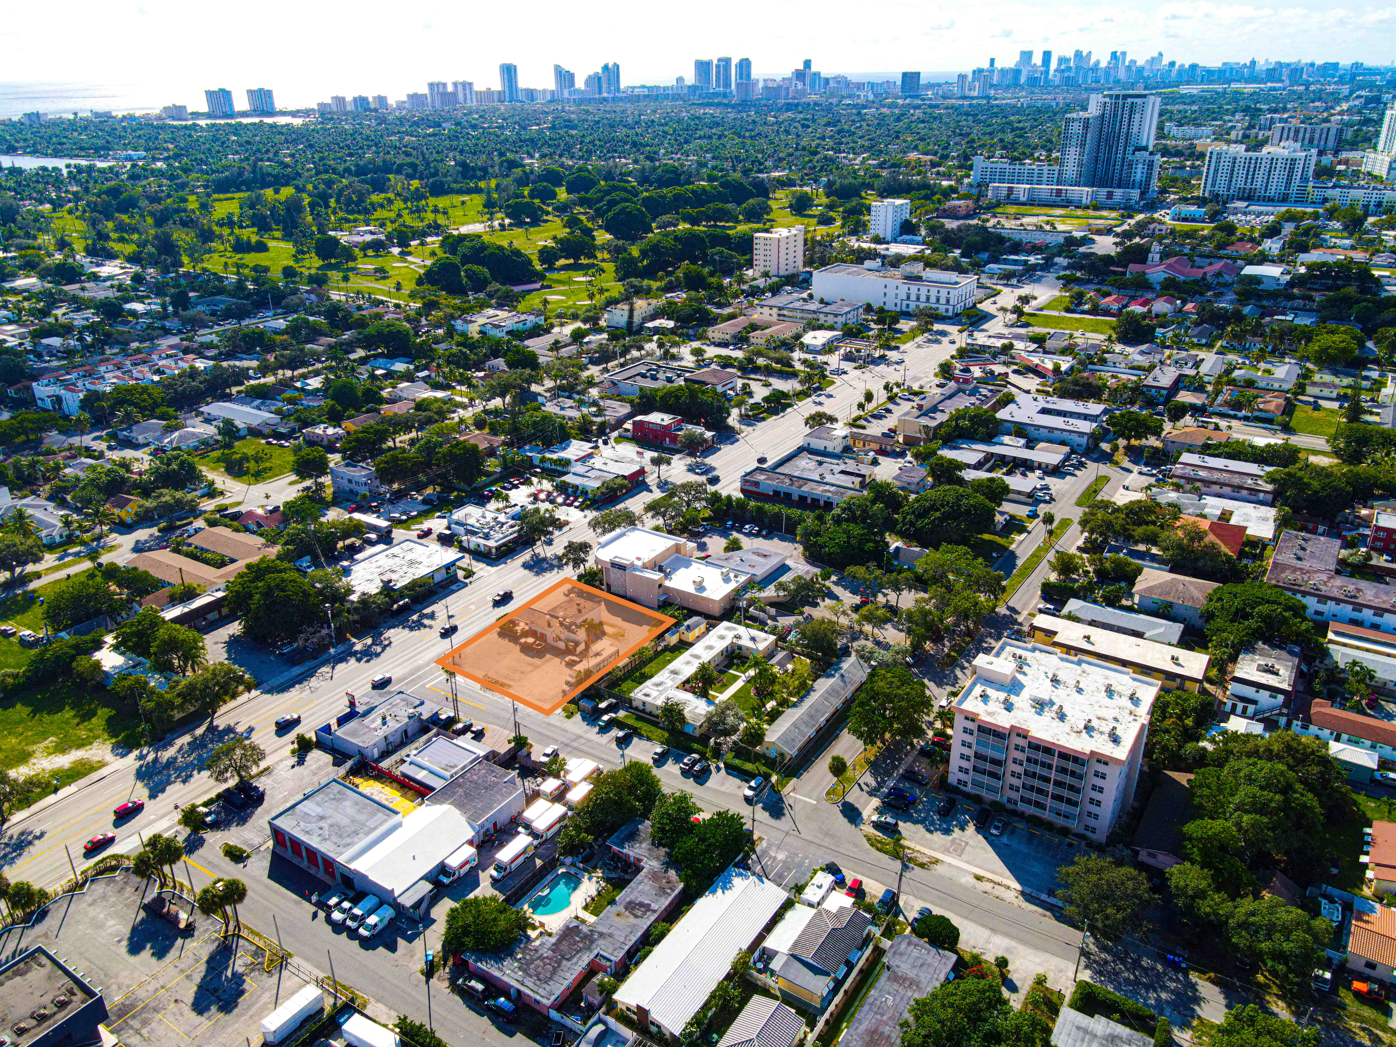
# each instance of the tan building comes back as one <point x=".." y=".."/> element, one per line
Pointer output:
<point x="1193" y="439"/>
<point x="781" y="252"/>
<point x="1174" y="667"/>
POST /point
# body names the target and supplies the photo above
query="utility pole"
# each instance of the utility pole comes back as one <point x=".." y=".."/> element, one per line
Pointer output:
<point x="1085" y="933"/>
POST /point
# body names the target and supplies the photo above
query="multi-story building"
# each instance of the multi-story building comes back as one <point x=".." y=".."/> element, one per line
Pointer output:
<point x="1223" y="478"/>
<point x="360" y="104"/>
<point x="219" y="101"/>
<point x="261" y="100"/>
<point x="911" y="85"/>
<point x="805" y="480"/>
<point x="484" y="531"/>
<point x="651" y="567"/>
<point x="175" y="112"/>
<point x="1278" y="174"/>
<point x="887" y="217"/>
<point x="564" y="80"/>
<point x="744" y="69"/>
<point x="1306" y="566"/>
<point x="989" y="171"/>
<point x="351" y="480"/>
<point x="722" y="74"/>
<point x="610" y="78"/>
<point x="703" y="72"/>
<point x="1076" y="423"/>
<point x="1264" y="680"/>
<point x="1379" y="161"/>
<point x="665" y="430"/>
<point x="1324" y="137"/>
<point x="509" y="81"/>
<point x="1175" y="668"/>
<point x="380" y="103"/>
<point x="464" y="91"/>
<point x="1051" y="734"/>
<point x="440" y="95"/>
<point x="902" y="290"/>
<point x="1382" y="537"/>
<point x="806" y="309"/>
<point x="781" y="252"/>
<point x="340" y="104"/>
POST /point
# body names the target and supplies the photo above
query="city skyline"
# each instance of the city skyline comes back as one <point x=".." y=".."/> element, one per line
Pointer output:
<point x="106" y="42"/>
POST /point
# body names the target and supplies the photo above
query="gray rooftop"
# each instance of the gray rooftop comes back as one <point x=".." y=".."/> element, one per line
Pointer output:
<point x="1271" y="668"/>
<point x="1074" y="1029"/>
<point x="755" y="561"/>
<point x="911" y="969"/>
<point x="794" y="727"/>
<point x="764" y="1022"/>
<point x="1129" y="623"/>
<point x="830" y="936"/>
<point x="386" y="717"/>
<point x="334" y="818"/>
<point x="633" y="841"/>
<point x="842" y="472"/>
<point x="478" y="791"/>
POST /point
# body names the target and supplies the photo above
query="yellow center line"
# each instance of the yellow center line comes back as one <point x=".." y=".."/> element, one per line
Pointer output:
<point x="467" y="701"/>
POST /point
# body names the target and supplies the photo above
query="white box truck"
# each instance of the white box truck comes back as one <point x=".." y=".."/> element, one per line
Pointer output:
<point x="287" y="1018"/>
<point x="535" y="810"/>
<point x="549" y="823"/>
<point x="458" y="862"/>
<point x="363" y="1032"/>
<point x="511" y="856"/>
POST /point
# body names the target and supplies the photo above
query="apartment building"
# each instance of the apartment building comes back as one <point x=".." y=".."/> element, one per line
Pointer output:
<point x="794" y="307"/>
<point x="219" y="101"/>
<point x="1278" y="174"/>
<point x="1076" y="423"/>
<point x="1175" y="668"/>
<point x="1323" y="137"/>
<point x="887" y="217"/>
<point x="1306" y="566"/>
<point x="63" y="390"/>
<point x="1052" y="734"/>
<point x="351" y="480"/>
<point x="902" y="290"/>
<point x="1264" y="680"/>
<point x="1224" y="478"/>
<point x="781" y="252"/>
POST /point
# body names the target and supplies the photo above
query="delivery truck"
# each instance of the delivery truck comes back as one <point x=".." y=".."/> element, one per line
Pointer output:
<point x="286" y="1019"/>
<point x="511" y="856"/>
<point x="457" y="863"/>
<point x="549" y="823"/>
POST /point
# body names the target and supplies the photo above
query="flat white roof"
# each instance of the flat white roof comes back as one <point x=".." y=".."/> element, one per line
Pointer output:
<point x="1093" y="639"/>
<point x="399" y="564"/>
<point x="426" y="837"/>
<point x="712" y="581"/>
<point x="664" y="685"/>
<point x="683" y="970"/>
<point x="638" y="545"/>
<point x="1076" y="703"/>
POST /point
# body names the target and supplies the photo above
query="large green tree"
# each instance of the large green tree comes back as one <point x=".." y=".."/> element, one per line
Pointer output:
<point x="484" y="924"/>
<point x="892" y="703"/>
<point x="1104" y="897"/>
<point x="945" y="515"/>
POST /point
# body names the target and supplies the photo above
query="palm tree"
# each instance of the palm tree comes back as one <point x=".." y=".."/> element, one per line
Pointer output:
<point x="22" y="523"/>
<point x="102" y="516"/>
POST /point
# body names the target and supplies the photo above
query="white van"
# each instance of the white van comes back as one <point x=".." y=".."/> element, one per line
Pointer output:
<point x="511" y="856"/>
<point x="459" y="862"/>
<point x="375" y="923"/>
<point x="359" y="912"/>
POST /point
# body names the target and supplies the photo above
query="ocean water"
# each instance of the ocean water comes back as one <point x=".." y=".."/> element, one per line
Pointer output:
<point x="64" y="99"/>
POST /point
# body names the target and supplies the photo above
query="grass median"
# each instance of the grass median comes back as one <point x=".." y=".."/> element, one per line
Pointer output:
<point x="1089" y="494"/>
<point x="1039" y="554"/>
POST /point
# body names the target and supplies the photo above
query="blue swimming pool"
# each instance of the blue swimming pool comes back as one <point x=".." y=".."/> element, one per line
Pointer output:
<point x="556" y="894"/>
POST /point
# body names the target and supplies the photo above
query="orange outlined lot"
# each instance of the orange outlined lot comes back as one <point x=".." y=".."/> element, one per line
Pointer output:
<point x="556" y="645"/>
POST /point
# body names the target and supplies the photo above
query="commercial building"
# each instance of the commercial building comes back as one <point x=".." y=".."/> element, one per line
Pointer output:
<point x="244" y="417"/>
<point x="45" y="1003"/>
<point x="611" y="463"/>
<point x="382" y="729"/>
<point x="681" y="972"/>
<point x="219" y="101"/>
<point x="902" y="290"/>
<point x="392" y="567"/>
<point x="329" y="823"/>
<point x="438" y="759"/>
<point x="1075" y="423"/>
<point x="1278" y="174"/>
<point x="1264" y="680"/>
<point x="930" y="410"/>
<point x="805" y="308"/>
<point x="804" y="480"/>
<point x="717" y="646"/>
<point x="627" y="315"/>
<point x="1126" y="623"/>
<point x="652" y="568"/>
<point x="484" y="531"/>
<point x="718" y="378"/>
<point x="488" y="796"/>
<point x="1052" y="734"/>
<point x="400" y="867"/>
<point x="648" y="374"/>
<point x="1306" y="566"/>
<point x="780" y="252"/>
<point x="666" y="430"/>
<point x="887" y="217"/>
<point x="1176" y="668"/>
<point x="911" y="969"/>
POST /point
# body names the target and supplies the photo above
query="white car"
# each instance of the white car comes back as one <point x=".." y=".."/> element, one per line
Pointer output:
<point x="1385" y="777"/>
<point x="375" y="923"/>
<point x="1039" y="474"/>
<point x="550" y="752"/>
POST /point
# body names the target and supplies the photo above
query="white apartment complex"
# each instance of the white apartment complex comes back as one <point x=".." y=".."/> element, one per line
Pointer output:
<point x="781" y="252"/>
<point x="887" y="218"/>
<point x="901" y="290"/>
<point x="63" y="390"/>
<point x="1076" y="423"/>
<point x="219" y="101"/>
<point x="1323" y="137"/>
<point x="1052" y="734"/>
<point x="1278" y="174"/>
<point x="1378" y="161"/>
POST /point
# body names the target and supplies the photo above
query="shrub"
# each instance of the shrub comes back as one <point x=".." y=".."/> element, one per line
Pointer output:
<point x="1091" y="999"/>
<point x="838" y="766"/>
<point x="938" y="930"/>
<point x="234" y="853"/>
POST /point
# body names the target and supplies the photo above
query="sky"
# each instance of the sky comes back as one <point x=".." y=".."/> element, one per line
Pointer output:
<point x="172" y="49"/>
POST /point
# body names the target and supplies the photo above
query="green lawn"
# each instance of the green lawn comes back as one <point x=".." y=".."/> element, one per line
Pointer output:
<point x="645" y="672"/>
<point x="1321" y="422"/>
<point x="1058" y="303"/>
<point x="989" y="547"/>
<point x="235" y="465"/>
<point x="1088" y="495"/>
<point x="58" y="718"/>
<point x="1093" y="324"/>
<point x="1047" y="212"/>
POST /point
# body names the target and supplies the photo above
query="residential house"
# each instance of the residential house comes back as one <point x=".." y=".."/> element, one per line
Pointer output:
<point x="1174" y="596"/>
<point x="1161" y="384"/>
<point x="1192" y="439"/>
<point x="1158" y="843"/>
<point x="911" y="969"/>
<point x="1074" y="1029"/>
<point x="764" y="1022"/>
<point x="1381" y="865"/>
<point x="812" y="950"/>
<point x="1224" y="478"/>
<point x="351" y="480"/>
<point x="123" y="507"/>
<point x="1371" y="945"/>
<point x="1230" y="537"/>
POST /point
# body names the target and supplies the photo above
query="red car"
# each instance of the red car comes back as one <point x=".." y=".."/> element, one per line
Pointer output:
<point x="424" y="532"/>
<point x="855" y="888"/>
<point x="129" y="808"/>
<point x="352" y="509"/>
<point x="98" y="842"/>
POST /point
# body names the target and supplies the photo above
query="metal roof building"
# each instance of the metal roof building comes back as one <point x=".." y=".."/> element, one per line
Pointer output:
<point x="795" y="727"/>
<point x="680" y="974"/>
<point x="764" y="1022"/>
<point x="1074" y="1029"/>
<point x="911" y="969"/>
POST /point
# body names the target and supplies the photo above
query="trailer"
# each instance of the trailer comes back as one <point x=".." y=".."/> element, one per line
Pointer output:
<point x="286" y="1019"/>
<point x="374" y="524"/>
<point x="579" y="770"/>
<point x="511" y="856"/>
<point x="361" y="1032"/>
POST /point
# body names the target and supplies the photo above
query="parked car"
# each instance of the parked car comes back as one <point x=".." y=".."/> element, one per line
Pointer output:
<point x="886" y="823"/>
<point x="921" y="914"/>
<point x="233" y="798"/>
<point x="624" y="736"/>
<point x="912" y="774"/>
<point x="947" y="806"/>
<point x="854" y="888"/>
<point x="981" y="817"/>
<point x="424" y="532"/>
<point x="287" y="720"/>
<point x="997" y="827"/>
<point x="254" y="792"/>
<point x="331" y="898"/>
<point x="377" y="921"/>
<point x="887" y="901"/>
<point x="701" y="768"/>
<point x="475" y="987"/>
<point x="753" y="789"/>
<point x="660" y="752"/>
<point x="129" y="808"/>
<point x="503" y="1007"/>
<point x="1385" y="777"/>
